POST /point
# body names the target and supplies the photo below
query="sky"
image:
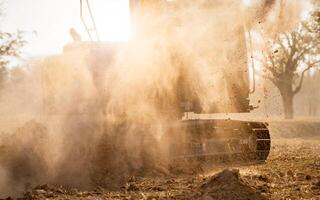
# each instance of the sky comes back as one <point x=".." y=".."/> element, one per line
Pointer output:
<point x="47" y="22"/>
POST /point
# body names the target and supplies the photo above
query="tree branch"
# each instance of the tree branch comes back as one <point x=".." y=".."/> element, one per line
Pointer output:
<point x="269" y="78"/>
<point x="311" y="65"/>
<point x="283" y="47"/>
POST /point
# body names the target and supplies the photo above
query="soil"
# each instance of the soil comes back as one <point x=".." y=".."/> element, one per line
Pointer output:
<point x="292" y="171"/>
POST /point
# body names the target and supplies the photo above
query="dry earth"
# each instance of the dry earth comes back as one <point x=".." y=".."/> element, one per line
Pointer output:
<point x="291" y="172"/>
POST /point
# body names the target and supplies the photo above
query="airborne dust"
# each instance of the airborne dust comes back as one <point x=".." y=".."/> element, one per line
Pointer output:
<point x="85" y="124"/>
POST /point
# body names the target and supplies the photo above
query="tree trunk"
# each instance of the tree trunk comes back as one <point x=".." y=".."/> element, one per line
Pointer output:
<point x="287" y="100"/>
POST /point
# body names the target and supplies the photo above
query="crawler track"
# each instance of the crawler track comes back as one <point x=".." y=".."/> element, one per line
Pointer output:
<point x="219" y="140"/>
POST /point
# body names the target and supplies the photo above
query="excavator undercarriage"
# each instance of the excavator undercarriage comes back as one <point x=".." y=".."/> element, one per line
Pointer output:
<point x="218" y="139"/>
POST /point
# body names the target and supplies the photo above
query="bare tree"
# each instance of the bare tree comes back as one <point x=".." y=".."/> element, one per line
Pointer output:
<point x="312" y="92"/>
<point x="290" y="56"/>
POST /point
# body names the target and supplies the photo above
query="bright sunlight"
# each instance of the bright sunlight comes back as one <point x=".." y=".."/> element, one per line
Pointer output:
<point x="112" y="19"/>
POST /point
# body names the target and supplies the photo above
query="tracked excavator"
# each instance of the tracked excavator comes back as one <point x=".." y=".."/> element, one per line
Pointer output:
<point x="191" y="131"/>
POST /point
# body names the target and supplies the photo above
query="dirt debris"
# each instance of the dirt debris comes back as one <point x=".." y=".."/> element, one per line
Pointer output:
<point x="228" y="185"/>
<point x="281" y="177"/>
<point x="291" y="172"/>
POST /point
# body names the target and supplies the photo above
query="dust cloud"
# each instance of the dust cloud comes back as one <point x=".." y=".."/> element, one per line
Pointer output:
<point x="95" y="118"/>
<point x="273" y="17"/>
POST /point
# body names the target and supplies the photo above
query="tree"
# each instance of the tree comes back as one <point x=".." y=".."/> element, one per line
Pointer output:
<point x="10" y="45"/>
<point x="290" y="56"/>
<point x="312" y="92"/>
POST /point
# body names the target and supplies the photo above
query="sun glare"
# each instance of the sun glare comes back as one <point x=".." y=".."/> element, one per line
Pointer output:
<point x="247" y="2"/>
<point x="112" y="19"/>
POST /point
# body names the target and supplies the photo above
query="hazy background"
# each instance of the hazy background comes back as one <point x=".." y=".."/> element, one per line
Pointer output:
<point x="47" y="22"/>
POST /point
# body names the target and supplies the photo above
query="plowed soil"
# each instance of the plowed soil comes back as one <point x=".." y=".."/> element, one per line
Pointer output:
<point x="292" y="171"/>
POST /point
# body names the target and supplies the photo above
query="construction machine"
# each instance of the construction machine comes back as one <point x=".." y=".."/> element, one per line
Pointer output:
<point x="190" y="130"/>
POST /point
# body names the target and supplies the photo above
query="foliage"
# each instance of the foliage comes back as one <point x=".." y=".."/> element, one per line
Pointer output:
<point x="10" y="45"/>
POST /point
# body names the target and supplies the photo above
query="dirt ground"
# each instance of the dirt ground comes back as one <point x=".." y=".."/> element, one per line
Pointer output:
<point x="292" y="171"/>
